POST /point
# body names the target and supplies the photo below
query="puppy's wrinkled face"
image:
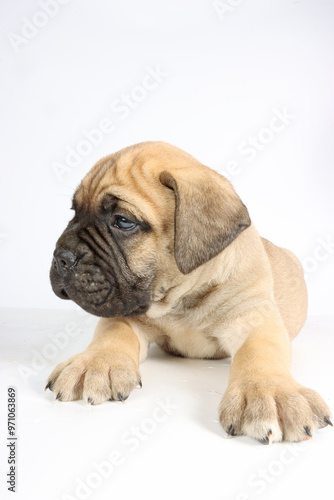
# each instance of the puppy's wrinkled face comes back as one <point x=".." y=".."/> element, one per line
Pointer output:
<point x="144" y="218"/>
<point x="107" y="258"/>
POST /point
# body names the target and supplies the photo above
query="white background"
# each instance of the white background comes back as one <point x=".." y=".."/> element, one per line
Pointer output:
<point x="226" y="75"/>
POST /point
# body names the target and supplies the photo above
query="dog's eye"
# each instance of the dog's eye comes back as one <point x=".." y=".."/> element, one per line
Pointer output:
<point x="123" y="223"/>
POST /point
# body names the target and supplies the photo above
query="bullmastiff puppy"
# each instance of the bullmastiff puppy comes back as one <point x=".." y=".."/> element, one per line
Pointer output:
<point x="162" y="249"/>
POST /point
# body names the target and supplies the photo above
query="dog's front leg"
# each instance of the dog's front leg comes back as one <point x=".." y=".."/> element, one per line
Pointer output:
<point x="263" y="400"/>
<point x="107" y="369"/>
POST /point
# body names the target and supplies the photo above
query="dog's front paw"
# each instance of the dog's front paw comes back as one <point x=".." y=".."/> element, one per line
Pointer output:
<point x="273" y="409"/>
<point x="94" y="375"/>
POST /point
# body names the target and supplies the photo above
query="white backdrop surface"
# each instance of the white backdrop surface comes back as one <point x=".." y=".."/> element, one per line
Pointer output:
<point x="246" y="87"/>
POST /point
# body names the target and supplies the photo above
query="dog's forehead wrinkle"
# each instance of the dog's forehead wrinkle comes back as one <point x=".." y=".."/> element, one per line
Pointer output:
<point x="92" y="184"/>
<point x="116" y="175"/>
<point x="108" y="201"/>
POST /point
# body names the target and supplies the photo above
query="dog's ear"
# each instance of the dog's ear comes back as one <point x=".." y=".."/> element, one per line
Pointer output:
<point x="209" y="215"/>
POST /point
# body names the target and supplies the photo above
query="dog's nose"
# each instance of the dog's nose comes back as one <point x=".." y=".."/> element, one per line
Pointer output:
<point x="63" y="261"/>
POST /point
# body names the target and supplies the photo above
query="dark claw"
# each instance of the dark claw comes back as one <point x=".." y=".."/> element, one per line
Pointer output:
<point x="90" y="401"/>
<point x="48" y="386"/>
<point x="58" y="396"/>
<point x="231" y="431"/>
<point x="328" y="421"/>
<point x="308" y="431"/>
<point x="140" y="384"/>
<point x="267" y="439"/>
<point x="121" y="397"/>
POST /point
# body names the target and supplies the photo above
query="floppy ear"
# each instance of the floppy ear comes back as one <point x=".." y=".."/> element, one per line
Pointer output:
<point x="209" y="215"/>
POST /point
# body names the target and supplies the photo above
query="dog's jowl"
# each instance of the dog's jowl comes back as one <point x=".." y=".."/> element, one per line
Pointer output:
<point x="163" y="250"/>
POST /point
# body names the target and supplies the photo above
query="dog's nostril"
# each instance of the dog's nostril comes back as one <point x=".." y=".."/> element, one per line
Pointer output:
<point x="64" y="294"/>
<point x="63" y="261"/>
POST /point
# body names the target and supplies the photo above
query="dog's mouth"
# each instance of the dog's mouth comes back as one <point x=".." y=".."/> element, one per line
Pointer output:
<point x="105" y="303"/>
<point x="73" y="279"/>
<point x="84" y="288"/>
<point x="90" y="288"/>
<point x="58" y="287"/>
